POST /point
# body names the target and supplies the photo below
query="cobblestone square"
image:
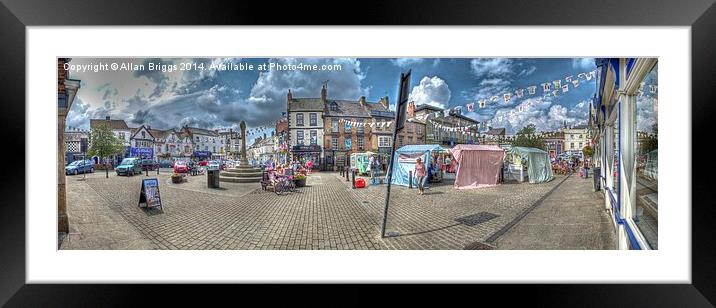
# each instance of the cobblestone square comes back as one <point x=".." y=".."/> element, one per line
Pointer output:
<point x="326" y="214"/>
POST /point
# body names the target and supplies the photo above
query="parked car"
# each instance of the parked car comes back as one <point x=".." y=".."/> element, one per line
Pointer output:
<point x="129" y="166"/>
<point x="80" y="166"/>
<point x="181" y="167"/>
<point x="214" y="165"/>
<point x="166" y="164"/>
<point x="148" y="164"/>
<point x="203" y="163"/>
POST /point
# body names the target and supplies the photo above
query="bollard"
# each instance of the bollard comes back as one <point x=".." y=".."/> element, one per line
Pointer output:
<point x="147" y="172"/>
<point x="410" y="182"/>
<point x="353" y="180"/>
<point x="346" y="171"/>
<point x="158" y="170"/>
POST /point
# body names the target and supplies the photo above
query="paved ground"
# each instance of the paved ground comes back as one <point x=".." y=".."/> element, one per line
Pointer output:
<point x="572" y="217"/>
<point x="327" y="214"/>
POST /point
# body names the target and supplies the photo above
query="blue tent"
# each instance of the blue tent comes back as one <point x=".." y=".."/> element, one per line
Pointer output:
<point x="404" y="161"/>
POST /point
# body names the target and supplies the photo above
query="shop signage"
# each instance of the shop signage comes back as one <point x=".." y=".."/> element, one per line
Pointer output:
<point x="201" y="154"/>
<point x="306" y="148"/>
<point x="149" y="194"/>
<point x="141" y="152"/>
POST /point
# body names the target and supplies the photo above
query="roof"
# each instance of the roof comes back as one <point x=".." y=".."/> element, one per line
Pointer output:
<point x="496" y="131"/>
<point x="419" y="148"/>
<point x="200" y="131"/>
<point x="355" y="109"/>
<point x="477" y="147"/>
<point x="160" y="134"/>
<point x="306" y="104"/>
<point x="114" y="124"/>
<point x="452" y="113"/>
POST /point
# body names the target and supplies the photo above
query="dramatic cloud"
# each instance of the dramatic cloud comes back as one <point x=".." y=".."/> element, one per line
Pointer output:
<point x="583" y="63"/>
<point x="488" y="67"/>
<point x="77" y="116"/>
<point x="431" y="91"/>
<point x="268" y="96"/>
<point x="541" y="112"/>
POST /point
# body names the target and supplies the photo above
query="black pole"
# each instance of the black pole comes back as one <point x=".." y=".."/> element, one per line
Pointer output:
<point x="346" y="171"/>
<point x="353" y="179"/>
<point x="390" y="179"/>
<point x="410" y="176"/>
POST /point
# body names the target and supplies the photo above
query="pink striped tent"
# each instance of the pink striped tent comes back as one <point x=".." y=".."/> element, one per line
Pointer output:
<point x="478" y="165"/>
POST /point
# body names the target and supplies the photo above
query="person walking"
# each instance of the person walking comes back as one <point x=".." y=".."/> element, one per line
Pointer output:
<point x="419" y="174"/>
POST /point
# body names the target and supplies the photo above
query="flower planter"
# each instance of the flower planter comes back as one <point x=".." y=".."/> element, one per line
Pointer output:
<point x="300" y="183"/>
<point x="177" y="179"/>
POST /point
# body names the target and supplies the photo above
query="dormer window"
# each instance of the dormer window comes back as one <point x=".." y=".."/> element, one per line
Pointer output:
<point x="334" y="106"/>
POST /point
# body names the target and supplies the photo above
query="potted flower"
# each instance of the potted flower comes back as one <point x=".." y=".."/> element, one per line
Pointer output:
<point x="300" y="180"/>
<point x="177" y="178"/>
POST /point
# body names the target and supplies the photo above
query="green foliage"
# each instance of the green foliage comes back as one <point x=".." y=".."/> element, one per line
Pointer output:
<point x="588" y="151"/>
<point x="103" y="143"/>
<point x="526" y="137"/>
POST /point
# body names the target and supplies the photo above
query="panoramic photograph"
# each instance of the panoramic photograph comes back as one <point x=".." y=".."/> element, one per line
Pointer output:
<point x="357" y="153"/>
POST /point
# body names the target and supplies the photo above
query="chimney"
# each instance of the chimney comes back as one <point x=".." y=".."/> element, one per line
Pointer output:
<point x="361" y="101"/>
<point x="324" y="93"/>
<point x="411" y="109"/>
<point x="289" y="96"/>
<point x="384" y="102"/>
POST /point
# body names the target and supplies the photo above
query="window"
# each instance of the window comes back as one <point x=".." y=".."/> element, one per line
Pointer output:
<point x="144" y="134"/>
<point x="314" y="138"/>
<point x="361" y="127"/>
<point x="360" y="143"/>
<point x="334" y="143"/>
<point x="334" y="125"/>
<point x="313" y="118"/>
<point x="571" y="145"/>
<point x="581" y="145"/>
<point x="347" y="144"/>
<point x="400" y="141"/>
<point x="647" y="159"/>
<point x="347" y="126"/>
<point x="299" y="119"/>
<point x="384" y="141"/>
<point x="334" y="106"/>
<point x="299" y="137"/>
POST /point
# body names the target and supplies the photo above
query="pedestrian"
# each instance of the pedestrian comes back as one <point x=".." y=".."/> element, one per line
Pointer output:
<point x="419" y="174"/>
<point x="309" y="165"/>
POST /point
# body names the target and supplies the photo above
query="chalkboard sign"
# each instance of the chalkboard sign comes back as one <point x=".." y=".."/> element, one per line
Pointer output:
<point x="149" y="194"/>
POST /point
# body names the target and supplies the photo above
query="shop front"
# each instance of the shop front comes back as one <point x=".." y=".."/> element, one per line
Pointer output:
<point x="304" y="153"/>
<point x="624" y="130"/>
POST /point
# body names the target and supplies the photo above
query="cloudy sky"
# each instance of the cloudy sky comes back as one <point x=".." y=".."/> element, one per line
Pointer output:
<point x="221" y="99"/>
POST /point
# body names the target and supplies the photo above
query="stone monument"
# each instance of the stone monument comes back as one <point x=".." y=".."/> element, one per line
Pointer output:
<point x="244" y="173"/>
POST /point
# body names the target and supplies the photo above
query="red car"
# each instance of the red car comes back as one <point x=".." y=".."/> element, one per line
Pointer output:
<point x="181" y="167"/>
<point x="203" y="163"/>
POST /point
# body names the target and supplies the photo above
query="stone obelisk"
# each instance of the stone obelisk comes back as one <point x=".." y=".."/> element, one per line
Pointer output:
<point x="243" y="161"/>
<point x="244" y="173"/>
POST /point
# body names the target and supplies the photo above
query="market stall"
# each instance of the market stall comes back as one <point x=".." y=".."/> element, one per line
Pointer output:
<point x="477" y="165"/>
<point x="536" y="162"/>
<point x="359" y="161"/>
<point x="405" y="158"/>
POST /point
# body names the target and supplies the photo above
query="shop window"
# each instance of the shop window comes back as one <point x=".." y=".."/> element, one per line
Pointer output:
<point x="647" y="180"/>
<point x="334" y="125"/>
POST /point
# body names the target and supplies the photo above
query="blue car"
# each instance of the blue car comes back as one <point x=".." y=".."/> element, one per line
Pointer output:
<point x="80" y="166"/>
<point x="129" y="166"/>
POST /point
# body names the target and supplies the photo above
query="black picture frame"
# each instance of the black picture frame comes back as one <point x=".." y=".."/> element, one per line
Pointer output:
<point x="700" y="15"/>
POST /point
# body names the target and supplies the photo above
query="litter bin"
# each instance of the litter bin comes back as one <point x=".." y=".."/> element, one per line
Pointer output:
<point x="213" y="178"/>
<point x="596" y="174"/>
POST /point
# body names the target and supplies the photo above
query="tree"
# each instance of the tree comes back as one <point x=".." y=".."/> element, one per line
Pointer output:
<point x="103" y="144"/>
<point x="526" y="137"/>
<point x="588" y="151"/>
